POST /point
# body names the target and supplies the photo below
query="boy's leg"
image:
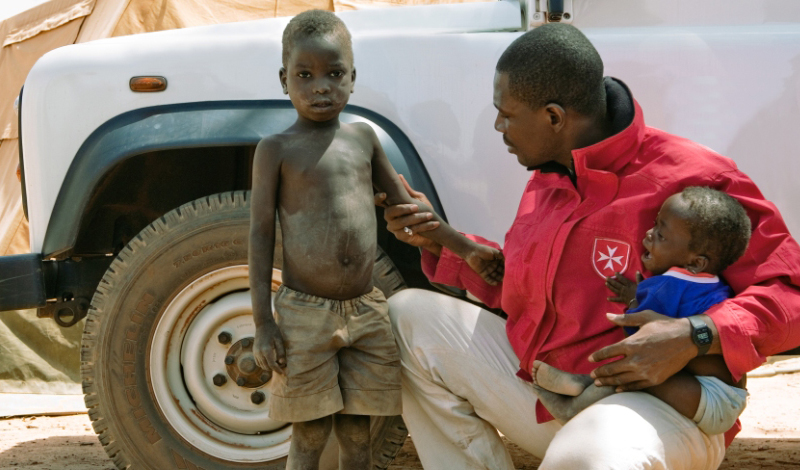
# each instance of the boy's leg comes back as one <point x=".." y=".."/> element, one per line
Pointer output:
<point x="352" y="432"/>
<point x="308" y="440"/>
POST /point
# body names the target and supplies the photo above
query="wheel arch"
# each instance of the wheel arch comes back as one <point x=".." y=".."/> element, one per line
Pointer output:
<point x="124" y="175"/>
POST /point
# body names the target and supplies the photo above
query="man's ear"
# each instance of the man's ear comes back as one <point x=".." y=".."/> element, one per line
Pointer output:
<point x="556" y="115"/>
<point x="282" y="77"/>
<point x="698" y="264"/>
<point x="352" y="79"/>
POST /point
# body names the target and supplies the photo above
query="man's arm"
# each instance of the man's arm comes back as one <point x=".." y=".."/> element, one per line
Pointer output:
<point x="268" y="345"/>
<point x="486" y="261"/>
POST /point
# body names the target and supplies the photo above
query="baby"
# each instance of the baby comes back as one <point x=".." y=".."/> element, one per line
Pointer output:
<point x="698" y="233"/>
<point x="329" y="339"/>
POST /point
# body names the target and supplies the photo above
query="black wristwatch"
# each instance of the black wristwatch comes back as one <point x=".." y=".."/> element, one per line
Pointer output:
<point x="701" y="335"/>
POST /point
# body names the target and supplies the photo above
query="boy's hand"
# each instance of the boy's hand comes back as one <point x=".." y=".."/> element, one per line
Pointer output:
<point x="624" y="288"/>
<point x="268" y="348"/>
<point x="488" y="262"/>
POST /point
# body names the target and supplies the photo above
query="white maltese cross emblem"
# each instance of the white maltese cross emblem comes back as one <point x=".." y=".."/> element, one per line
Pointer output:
<point x="610" y="256"/>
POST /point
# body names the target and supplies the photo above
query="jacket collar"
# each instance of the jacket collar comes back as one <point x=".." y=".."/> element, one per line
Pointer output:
<point x="618" y="150"/>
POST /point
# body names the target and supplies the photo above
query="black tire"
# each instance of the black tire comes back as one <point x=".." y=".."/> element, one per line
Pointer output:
<point x="129" y="324"/>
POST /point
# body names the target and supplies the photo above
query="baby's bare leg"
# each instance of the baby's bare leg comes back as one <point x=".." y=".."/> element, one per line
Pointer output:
<point x="558" y="381"/>
<point x="308" y="440"/>
<point x="565" y="407"/>
<point x="352" y="431"/>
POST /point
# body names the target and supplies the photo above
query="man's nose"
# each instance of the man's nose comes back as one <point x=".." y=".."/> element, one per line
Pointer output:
<point x="499" y="124"/>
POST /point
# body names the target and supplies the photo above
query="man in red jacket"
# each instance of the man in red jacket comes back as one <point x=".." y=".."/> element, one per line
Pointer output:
<point x="599" y="177"/>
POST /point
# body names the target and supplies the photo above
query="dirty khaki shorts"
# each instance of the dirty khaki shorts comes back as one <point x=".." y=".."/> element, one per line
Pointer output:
<point x="341" y="357"/>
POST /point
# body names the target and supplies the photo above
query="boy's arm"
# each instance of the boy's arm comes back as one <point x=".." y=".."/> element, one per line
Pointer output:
<point x="486" y="261"/>
<point x="268" y="345"/>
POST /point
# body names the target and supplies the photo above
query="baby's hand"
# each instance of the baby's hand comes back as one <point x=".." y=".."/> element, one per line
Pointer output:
<point x="623" y="287"/>
<point x="268" y="348"/>
<point x="488" y="262"/>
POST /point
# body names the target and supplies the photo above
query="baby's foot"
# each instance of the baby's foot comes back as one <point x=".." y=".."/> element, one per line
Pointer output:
<point x="562" y="407"/>
<point x="558" y="381"/>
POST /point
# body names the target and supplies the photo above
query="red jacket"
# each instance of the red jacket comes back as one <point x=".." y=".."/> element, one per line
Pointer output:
<point x="565" y="240"/>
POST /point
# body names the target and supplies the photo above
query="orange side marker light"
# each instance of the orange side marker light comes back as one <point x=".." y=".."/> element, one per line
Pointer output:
<point x="148" y="84"/>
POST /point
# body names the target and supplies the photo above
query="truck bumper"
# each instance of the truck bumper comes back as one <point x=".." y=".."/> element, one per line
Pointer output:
<point x="22" y="282"/>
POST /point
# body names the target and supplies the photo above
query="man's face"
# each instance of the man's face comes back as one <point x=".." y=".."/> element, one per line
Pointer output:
<point x="526" y="131"/>
<point x="318" y="77"/>
<point x="667" y="244"/>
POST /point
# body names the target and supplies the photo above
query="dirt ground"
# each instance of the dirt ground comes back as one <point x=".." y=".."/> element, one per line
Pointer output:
<point x="770" y="439"/>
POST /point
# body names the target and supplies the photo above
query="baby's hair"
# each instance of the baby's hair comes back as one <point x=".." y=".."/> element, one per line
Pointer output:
<point x="718" y="225"/>
<point x="316" y="23"/>
<point x="555" y="63"/>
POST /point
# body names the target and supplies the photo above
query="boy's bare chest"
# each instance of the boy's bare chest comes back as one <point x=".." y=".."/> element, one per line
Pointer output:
<point x="342" y="161"/>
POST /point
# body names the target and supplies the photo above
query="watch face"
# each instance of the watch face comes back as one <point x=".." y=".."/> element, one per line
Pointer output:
<point x="703" y="336"/>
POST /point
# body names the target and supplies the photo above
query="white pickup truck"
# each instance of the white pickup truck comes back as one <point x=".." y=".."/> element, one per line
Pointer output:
<point x="138" y="201"/>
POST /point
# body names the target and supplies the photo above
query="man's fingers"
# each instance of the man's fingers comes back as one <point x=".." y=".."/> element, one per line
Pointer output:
<point x="633" y="386"/>
<point x="639" y="277"/>
<point x="614" y="350"/>
<point x="620" y="380"/>
<point x="424" y="226"/>
<point x="380" y="198"/>
<point x="412" y="192"/>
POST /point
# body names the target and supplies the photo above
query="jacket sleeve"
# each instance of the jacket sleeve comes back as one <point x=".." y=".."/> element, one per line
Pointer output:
<point x="451" y="270"/>
<point x="764" y="317"/>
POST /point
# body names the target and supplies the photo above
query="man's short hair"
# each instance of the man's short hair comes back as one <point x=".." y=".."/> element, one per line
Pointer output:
<point x="718" y="225"/>
<point x="555" y="63"/>
<point x="316" y="23"/>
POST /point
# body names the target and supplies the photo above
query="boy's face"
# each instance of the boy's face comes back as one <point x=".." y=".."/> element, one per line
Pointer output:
<point x="318" y="77"/>
<point x="667" y="244"/>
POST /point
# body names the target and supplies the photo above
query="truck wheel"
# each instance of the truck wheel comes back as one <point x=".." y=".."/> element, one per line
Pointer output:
<point x="166" y="357"/>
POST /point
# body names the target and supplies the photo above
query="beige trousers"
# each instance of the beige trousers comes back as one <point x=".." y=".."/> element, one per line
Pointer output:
<point x="460" y="389"/>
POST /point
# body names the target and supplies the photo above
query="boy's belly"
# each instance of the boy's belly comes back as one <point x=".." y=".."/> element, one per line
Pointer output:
<point x="329" y="254"/>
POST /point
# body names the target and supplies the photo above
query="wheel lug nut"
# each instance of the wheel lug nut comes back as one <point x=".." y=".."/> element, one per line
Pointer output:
<point x="257" y="397"/>
<point x="240" y="381"/>
<point x="265" y="376"/>
<point x="220" y="380"/>
<point x="229" y="360"/>
<point x="224" y="337"/>
<point x="246" y="343"/>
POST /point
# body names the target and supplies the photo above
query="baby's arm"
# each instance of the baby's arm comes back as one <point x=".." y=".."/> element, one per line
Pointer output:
<point x="268" y="345"/>
<point x="488" y="262"/>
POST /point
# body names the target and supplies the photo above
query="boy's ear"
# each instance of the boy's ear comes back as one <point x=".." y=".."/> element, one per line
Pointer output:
<point x="352" y="79"/>
<point x="699" y="264"/>
<point x="282" y="77"/>
<point x="557" y="116"/>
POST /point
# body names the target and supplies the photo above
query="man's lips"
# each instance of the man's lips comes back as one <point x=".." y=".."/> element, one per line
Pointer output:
<point x="508" y="144"/>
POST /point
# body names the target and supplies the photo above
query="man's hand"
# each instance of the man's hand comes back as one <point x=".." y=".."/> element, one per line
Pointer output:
<point x="660" y="348"/>
<point x="407" y="216"/>
<point x="488" y="262"/>
<point x="268" y="348"/>
<point x="624" y="288"/>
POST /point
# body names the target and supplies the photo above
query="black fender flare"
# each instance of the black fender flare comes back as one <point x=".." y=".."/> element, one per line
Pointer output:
<point x="198" y="125"/>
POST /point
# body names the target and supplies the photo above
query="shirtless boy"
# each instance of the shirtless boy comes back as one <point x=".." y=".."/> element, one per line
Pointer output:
<point x="698" y="233"/>
<point x="329" y="339"/>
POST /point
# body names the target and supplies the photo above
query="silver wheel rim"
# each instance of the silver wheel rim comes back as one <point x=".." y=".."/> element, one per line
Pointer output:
<point x="186" y="354"/>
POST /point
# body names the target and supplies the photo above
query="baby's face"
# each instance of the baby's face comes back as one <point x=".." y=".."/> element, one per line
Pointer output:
<point x="667" y="244"/>
<point x="318" y="77"/>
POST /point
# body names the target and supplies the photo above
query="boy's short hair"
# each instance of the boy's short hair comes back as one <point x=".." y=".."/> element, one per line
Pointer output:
<point x="718" y="225"/>
<point x="316" y="23"/>
<point x="555" y="63"/>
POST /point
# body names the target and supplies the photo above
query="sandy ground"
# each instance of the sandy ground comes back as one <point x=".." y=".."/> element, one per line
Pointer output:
<point x="770" y="439"/>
